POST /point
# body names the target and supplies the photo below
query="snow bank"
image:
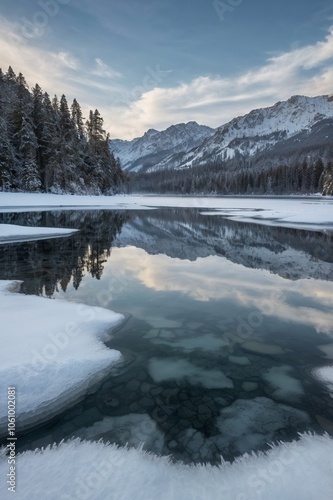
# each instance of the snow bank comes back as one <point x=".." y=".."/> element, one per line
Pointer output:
<point x="13" y="233"/>
<point x="52" y="351"/>
<point x="299" y="470"/>
<point x="304" y="212"/>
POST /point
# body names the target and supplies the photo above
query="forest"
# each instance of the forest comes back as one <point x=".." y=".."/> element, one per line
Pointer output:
<point x="218" y="178"/>
<point x="46" y="145"/>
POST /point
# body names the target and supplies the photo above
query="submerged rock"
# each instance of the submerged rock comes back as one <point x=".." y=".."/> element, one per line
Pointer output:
<point x="249" y="386"/>
<point x="249" y="424"/>
<point x="239" y="360"/>
<point x="262" y="348"/>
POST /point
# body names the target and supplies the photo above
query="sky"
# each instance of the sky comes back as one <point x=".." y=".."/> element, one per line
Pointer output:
<point x="153" y="63"/>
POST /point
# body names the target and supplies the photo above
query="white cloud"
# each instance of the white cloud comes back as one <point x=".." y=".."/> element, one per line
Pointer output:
<point x="215" y="278"/>
<point x="213" y="101"/>
<point x="49" y="69"/>
<point x="104" y="71"/>
<point x="67" y="60"/>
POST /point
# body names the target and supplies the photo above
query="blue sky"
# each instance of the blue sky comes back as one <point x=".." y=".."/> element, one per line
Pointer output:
<point x="149" y="64"/>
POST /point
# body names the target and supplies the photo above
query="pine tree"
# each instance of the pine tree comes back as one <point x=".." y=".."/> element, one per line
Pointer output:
<point x="30" y="179"/>
<point x="7" y="159"/>
<point x="78" y="119"/>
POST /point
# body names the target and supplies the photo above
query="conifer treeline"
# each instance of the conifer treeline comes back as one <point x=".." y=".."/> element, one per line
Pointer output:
<point x="216" y="178"/>
<point x="46" y="146"/>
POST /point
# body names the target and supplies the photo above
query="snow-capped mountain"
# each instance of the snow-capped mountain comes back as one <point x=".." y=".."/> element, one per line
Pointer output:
<point x="262" y="129"/>
<point x="284" y="129"/>
<point x="155" y="149"/>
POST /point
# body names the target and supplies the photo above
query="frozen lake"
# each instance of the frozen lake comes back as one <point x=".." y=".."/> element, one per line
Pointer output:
<point x="226" y="324"/>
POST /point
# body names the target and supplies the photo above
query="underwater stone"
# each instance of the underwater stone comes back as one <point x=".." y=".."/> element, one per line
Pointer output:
<point x="133" y="385"/>
<point x="262" y="348"/>
<point x="249" y="386"/>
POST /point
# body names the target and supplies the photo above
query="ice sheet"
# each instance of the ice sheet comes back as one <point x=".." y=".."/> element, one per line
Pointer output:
<point x="14" y="233"/>
<point x="52" y="351"/>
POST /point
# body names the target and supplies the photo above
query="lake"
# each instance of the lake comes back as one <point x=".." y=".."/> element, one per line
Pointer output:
<point x="226" y="323"/>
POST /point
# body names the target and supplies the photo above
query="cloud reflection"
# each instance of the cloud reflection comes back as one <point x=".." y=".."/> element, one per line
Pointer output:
<point x="217" y="279"/>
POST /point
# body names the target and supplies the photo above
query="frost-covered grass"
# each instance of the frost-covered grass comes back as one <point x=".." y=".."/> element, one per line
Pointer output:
<point x="14" y="233"/>
<point x="302" y="212"/>
<point x="52" y="351"/>
<point x="301" y="470"/>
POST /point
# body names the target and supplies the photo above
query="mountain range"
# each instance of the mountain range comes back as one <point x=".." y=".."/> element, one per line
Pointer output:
<point x="155" y="149"/>
<point x="278" y="132"/>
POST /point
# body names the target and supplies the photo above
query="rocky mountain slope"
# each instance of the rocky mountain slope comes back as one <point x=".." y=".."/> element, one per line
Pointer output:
<point x="285" y="125"/>
<point x="155" y="149"/>
<point x="284" y="129"/>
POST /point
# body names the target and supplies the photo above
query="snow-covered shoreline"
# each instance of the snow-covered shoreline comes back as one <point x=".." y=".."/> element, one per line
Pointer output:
<point x="10" y="233"/>
<point x="311" y="213"/>
<point x="52" y="352"/>
<point x="301" y="470"/>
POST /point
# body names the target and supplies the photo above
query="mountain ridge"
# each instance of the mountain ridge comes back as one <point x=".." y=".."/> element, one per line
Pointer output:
<point x="261" y="131"/>
<point x="143" y="153"/>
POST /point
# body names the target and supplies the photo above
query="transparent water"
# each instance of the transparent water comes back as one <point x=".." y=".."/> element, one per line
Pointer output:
<point x="225" y="323"/>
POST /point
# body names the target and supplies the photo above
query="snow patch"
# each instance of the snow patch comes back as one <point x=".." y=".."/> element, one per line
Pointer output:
<point x="52" y="351"/>
<point x="13" y="233"/>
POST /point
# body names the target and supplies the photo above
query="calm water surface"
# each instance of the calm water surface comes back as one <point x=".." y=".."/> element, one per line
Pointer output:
<point x="225" y="323"/>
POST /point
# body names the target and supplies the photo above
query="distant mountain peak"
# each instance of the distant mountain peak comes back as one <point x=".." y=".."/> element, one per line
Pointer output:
<point x="151" y="131"/>
<point x="154" y="148"/>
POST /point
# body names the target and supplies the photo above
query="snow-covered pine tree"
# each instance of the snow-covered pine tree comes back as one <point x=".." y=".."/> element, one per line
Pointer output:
<point x="7" y="159"/>
<point x="29" y="178"/>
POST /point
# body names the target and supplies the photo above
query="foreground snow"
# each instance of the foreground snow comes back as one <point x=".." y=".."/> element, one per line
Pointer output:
<point x="14" y="233"/>
<point x="303" y="212"/>
<point x="300" y="470"/>
<point x="51" y="351"/>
